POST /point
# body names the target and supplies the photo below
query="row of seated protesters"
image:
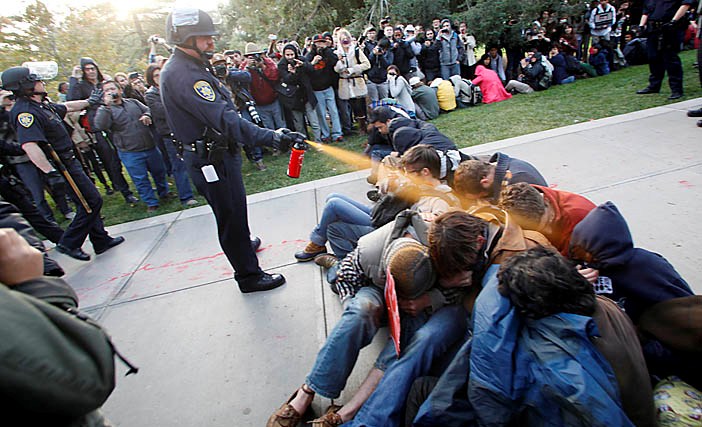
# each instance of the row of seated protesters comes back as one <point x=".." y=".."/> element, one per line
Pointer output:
<point x="501" y="282"/>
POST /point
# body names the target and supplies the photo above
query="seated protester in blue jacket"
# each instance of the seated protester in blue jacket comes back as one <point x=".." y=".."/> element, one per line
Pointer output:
<point x="535" y="316"/>
<point x="599" y="60"/>
<point x="639" y="281"/>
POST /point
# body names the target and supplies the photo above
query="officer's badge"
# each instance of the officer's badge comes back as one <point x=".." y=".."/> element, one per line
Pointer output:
<point x="26" y="119"/>
<point x="204" y="90"/>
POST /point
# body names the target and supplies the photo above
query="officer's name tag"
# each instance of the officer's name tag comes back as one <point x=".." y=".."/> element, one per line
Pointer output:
<point x="210" y="173"/>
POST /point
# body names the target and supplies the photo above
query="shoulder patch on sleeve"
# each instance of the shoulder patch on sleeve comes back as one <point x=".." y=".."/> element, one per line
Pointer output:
<point x="204" y="90"/>
<point x="26" y="119"/>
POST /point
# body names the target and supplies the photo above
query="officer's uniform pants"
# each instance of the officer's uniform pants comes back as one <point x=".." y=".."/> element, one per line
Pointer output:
<point x="227" y="197"/>
<point x="84" y="224"/>
<point x="14" y="192"/>
<point x="662" y="57"/>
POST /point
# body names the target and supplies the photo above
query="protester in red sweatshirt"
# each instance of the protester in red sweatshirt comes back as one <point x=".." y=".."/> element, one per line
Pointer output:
<point x="553" y="213"/>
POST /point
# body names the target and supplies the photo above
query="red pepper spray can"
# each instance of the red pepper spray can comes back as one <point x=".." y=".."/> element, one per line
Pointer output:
<point x="297" y="155"/>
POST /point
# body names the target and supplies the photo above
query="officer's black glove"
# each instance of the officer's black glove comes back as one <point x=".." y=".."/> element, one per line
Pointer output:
<point x="284" y="138"/>
<point x="95" y="97"/>
<point x="670" y="25"/>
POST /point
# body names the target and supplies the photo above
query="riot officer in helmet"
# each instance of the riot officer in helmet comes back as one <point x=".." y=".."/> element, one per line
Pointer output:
<point x="42" y="135"/>
<point x="208" y="129"/>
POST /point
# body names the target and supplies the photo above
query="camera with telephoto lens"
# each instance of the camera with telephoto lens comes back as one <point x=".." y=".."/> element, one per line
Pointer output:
<point x="220" y="70"/>
<point x="255" y="118"/>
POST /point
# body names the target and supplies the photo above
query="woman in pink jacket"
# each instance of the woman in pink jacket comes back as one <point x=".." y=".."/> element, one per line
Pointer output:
<point x="489" y="82"/>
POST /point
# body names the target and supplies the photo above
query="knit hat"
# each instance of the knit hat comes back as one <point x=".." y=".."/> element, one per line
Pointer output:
<point x="410" y="266"/>
<point x="409" y="28"/>
<point x="293" y="47"/>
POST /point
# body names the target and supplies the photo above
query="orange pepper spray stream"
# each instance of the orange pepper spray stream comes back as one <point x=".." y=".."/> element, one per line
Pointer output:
<point x="355" y="160"/>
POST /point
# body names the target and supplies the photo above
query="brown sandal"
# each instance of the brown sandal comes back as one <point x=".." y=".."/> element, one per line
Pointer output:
<point x="329" y="419"/>
<point x="286" y="415"/>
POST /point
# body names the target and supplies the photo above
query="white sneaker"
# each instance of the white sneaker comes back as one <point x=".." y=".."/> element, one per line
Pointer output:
<point x="190" y="203"/>
<point x="69" y="216"/>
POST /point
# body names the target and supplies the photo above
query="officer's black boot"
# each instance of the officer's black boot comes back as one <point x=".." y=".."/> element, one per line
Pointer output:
<point x="263" y="283"/>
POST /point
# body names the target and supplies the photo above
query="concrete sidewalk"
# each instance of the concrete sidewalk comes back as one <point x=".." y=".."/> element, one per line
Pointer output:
<point x="211" y="356"/>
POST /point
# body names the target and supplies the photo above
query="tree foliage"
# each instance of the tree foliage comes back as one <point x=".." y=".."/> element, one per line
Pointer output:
<point x="419" y="11"/>
<point x="246" y="21"/>
<point x="487" y="19"/>
<point x="116" y="45"/>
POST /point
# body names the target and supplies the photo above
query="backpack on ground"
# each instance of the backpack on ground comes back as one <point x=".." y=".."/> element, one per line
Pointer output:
<point x="475" y="95"/>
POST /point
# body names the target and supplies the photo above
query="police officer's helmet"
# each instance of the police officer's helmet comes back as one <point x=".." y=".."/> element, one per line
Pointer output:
<point x="18" y="79"/>
<point x="183" y="23"/>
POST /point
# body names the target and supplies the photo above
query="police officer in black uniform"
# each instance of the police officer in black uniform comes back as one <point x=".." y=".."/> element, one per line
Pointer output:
<point x="39" y="123"/>
<point x="207" y="126"/>
<point x="665" y="23"/>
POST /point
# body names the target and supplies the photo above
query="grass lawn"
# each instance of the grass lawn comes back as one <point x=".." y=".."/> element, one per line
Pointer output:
<point x="559" y="106"/>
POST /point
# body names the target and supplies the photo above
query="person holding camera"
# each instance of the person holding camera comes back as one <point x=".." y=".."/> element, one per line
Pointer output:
<point x="352" y="86"/>
<point x="296" y="93"/>
<point x="86" y="78"/>
<point x="264" y="77"/>
<point x="323" y="79"/>
<point x="380" y="59"/>
<point x="129" y="121"/>
<point x="429" y="61"/>
<point x="401" y="51"/>
<point x="451" y="52"/>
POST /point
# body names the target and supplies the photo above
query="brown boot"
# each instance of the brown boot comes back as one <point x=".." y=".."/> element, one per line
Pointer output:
<point x="362" y="126"/>
<point x="311" y="250"/>
<point x="286" y="415"/>
<point x="329" y="419"/>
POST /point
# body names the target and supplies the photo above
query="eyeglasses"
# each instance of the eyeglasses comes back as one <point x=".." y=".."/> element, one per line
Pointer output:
<point x="392" y="74"/>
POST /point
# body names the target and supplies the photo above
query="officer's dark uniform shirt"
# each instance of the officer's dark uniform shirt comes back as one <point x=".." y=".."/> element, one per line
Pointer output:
<point x="663" y="10"/>
<point x="194" y="99"/>
<point x="36" y="122"/>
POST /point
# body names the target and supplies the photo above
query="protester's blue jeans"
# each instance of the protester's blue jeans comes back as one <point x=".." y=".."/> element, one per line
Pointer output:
<point x="450" y="70"/>
<point x="363" y="315"/>
<point x="385" y="407"/>
<point x="339" y="208"/>
<point x="272" y="115"/>
<point x="180" y="171"/>
<point x="326" y="102"/>
<point x="139" y="164"/>
<point x="343" y="236"/>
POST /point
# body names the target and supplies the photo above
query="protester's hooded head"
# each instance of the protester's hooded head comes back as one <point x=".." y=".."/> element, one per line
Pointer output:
<point x="405" y="137"/>
<point x="90" y="68"/>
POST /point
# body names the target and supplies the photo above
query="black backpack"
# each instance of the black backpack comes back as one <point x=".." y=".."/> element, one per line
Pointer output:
<point x="391" y="204"/>
<point x="573" y="66"/>
<point x="475" y="95"/>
